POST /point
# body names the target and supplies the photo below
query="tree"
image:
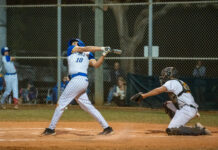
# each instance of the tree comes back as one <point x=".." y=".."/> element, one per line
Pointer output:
<point x="129" y="43"/>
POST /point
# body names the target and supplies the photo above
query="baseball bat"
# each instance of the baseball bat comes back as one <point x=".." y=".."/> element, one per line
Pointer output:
<point x="117" y="51"/>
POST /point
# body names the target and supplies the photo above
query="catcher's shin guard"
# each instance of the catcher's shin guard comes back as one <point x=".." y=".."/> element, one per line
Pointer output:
<point x="187" y="131"/>
<point x="170" y="108"/>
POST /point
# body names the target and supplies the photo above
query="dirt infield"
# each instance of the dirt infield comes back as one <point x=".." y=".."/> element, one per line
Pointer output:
<point x="83" y="135"/>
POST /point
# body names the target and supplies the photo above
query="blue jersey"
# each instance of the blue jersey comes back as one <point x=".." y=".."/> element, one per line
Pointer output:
<point x="8" y="64"/>
<point x="78" y="61"/>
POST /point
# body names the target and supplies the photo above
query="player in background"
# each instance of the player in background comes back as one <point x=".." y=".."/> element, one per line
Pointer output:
<point x="181" y="108"/>
<point x="79" y="57"/>
<point x="10" y="77"/>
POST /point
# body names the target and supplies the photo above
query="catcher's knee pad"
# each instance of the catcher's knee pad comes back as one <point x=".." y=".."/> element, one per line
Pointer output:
<point x="170" y="108"/>
<point x="186" y="131"/>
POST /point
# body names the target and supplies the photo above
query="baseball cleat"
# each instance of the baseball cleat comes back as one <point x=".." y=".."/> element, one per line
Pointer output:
<point x="106" y="131"/>
<point x="206" y="131"/>
<point x="49" y="131"/>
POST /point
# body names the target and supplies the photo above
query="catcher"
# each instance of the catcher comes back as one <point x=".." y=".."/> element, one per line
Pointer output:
<point x="181" y="107"/>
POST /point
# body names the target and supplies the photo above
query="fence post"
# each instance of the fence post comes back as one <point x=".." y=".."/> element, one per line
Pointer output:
<point x="99" y="41"/>
<point x="3" y="20"/>
<point x="3" y="35"/>
<point x="150" y="14"/>
<point x="59" y="47"/>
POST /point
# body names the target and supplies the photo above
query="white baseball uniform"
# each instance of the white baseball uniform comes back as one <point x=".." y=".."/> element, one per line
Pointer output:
<point x="76" y="89"/>
<point x="187" y="106"/>
<point x="10" y="79"/>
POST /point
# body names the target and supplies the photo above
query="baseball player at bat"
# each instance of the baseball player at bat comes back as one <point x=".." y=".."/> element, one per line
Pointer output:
<point x="181" y="108"/>
<point x="10" y="78"/>
<point x="79" y="57"/>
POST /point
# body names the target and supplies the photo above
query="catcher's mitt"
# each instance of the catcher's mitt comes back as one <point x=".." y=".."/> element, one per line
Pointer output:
<point x="137" y="97"/>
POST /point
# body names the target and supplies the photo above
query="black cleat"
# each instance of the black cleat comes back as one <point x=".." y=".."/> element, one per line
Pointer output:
<point x="49" y="131"/>
<point x="106" y="131"/>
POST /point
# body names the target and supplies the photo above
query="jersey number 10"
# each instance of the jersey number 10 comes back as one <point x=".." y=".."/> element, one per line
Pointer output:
<point x="79" y="60"/>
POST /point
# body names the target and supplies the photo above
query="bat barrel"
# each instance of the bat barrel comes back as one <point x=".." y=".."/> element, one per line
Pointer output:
<point x="117" y="51"/>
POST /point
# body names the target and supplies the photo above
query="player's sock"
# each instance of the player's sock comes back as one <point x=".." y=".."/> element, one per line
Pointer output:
<point x="15" y="101"/>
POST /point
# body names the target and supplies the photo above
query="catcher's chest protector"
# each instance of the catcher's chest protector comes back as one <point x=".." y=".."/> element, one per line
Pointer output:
<point x="185" y="88"/>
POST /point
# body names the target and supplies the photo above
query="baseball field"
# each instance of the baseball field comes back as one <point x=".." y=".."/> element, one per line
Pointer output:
<point x="134" y="128"/>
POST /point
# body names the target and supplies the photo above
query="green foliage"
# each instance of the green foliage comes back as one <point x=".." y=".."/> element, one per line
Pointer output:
<point x="111" y="114"/>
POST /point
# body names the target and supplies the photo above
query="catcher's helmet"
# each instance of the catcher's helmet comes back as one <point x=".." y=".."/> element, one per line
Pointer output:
<point x="80" y="43"/>
<point x="4" y="49"/>
<point x="167" y="74"/>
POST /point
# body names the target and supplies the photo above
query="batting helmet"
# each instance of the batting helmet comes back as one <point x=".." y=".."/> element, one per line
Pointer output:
<point x="168" y="73"/>
<point x="4" y="49"/>
<point x="80" y="43"/>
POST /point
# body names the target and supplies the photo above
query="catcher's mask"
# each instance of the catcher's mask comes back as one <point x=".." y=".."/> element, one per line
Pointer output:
<point x="168" y="73"/>
<point x="4" y="49"/>
<point x="80" y="43"/>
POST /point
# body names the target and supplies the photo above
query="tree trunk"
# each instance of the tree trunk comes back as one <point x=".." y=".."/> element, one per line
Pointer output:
<point x="129" y="43"/>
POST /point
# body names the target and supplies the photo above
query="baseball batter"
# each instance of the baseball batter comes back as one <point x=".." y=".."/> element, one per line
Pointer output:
<point x="181" y="108"/>
<point x="79" y="58"/>
<point x="10" y="78"/>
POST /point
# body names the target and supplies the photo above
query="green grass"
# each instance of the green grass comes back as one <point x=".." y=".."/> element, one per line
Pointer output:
<point x="112" y="114"/>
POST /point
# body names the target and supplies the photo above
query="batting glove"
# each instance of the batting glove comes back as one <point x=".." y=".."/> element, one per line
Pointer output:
<point x="106" y="50"/>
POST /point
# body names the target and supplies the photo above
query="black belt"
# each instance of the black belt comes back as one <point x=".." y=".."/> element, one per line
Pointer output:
<point x="190" y="106"/>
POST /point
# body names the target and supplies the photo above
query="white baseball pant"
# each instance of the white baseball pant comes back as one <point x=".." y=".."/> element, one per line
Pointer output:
<point x="76" y="89"/>
<point x="11" y="85"/>
<point x="182" y="116"/>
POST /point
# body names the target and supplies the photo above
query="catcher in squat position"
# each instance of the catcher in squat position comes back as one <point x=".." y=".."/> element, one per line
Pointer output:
<point x="181" y="107"/>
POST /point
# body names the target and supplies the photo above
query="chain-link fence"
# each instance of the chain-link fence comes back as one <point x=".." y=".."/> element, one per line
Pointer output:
<point x="182" y="33"/>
